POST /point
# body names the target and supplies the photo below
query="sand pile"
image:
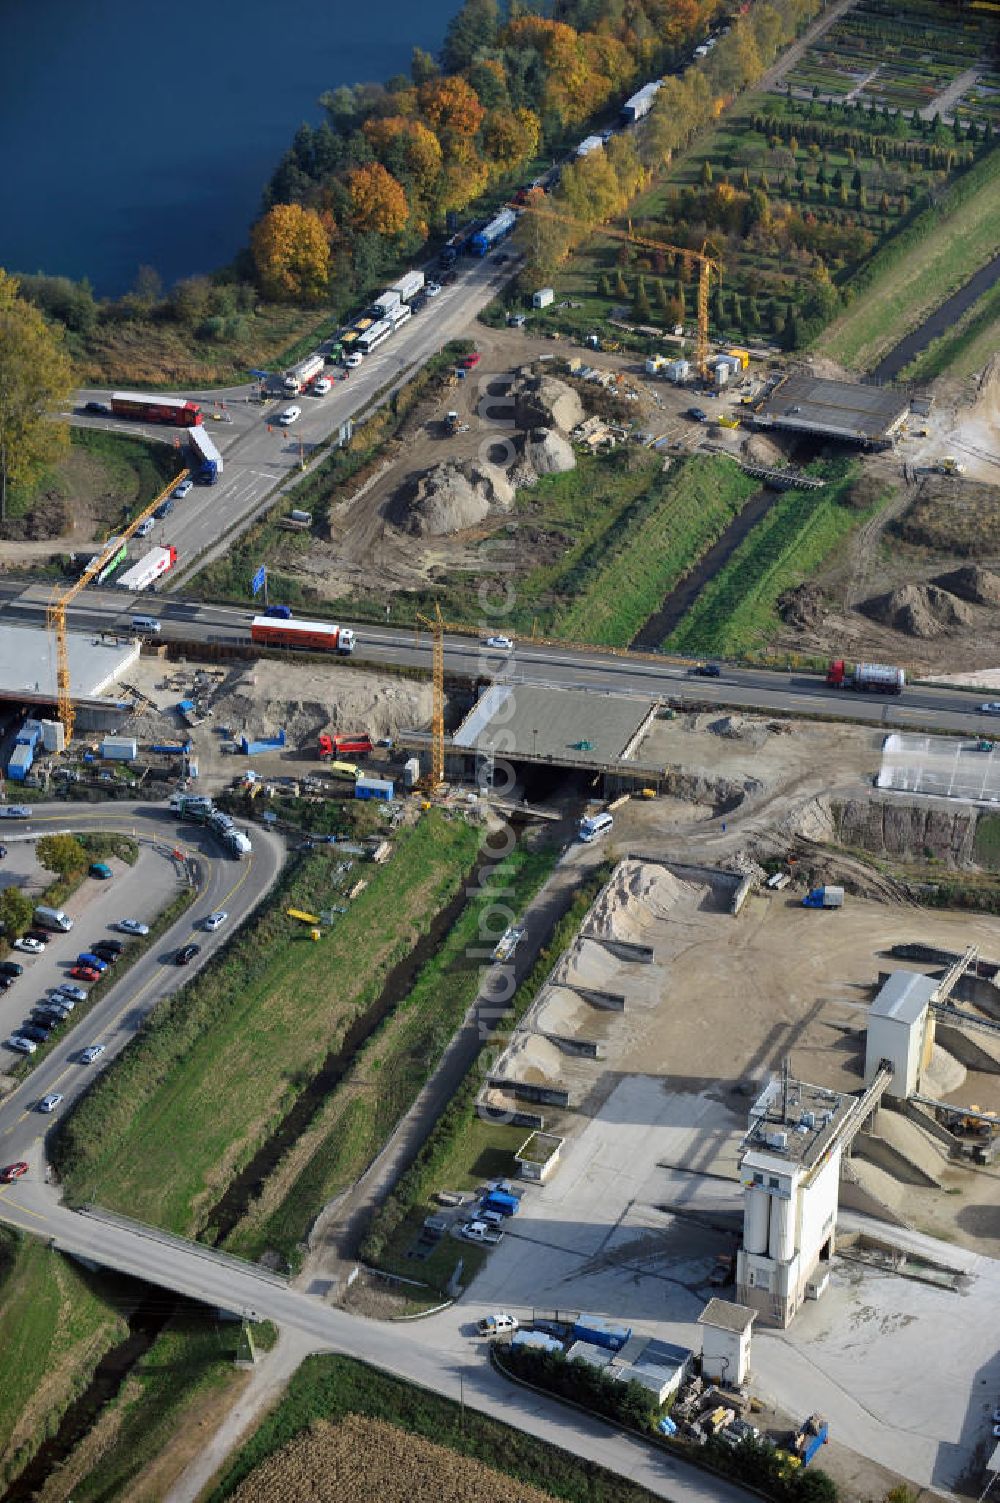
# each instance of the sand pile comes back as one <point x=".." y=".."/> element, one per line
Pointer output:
<point x="736" y="728"/>
<point x="589" y="964"/>
<point x="919" y="610"/>
<point x="544" y="402"/>
<point x="943" y="1075"/>
<point x="971" y="582"/>
<point x="531" y="1059"/>
<point x="282" y="695"/>
<point x="452" y="497"/>
<point x="639" y="894"/>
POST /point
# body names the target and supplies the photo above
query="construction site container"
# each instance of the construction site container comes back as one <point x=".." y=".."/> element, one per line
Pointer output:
<point x="30" y="734"/>
<point x="743" y="356"/>
<point x="536" y="1341"/>
<point x="676" y="371"/>
<point x="374" y="788"/>
<point x="53" y="735"/>
<point x="543" y="298"/>
<point x="119" y="748"/>
<point x="20" y="763"/>
<point x="606" y="1333"/>
<point x="411" y="772"/>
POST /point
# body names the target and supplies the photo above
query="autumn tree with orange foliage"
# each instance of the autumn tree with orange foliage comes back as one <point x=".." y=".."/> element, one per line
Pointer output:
<point x="291" y="251"/>
<point x="378" y="202"/>
<point x="451" y="104"/>
<point x="410" y="144"/>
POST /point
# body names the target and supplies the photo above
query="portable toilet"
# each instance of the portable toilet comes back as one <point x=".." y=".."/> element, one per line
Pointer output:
<point x="411" y="772"/>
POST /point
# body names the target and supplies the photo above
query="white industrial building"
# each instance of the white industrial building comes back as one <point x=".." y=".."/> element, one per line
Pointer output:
<point x="790" y="1170"/>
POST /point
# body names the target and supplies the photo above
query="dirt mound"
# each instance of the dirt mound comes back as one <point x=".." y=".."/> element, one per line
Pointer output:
<point x="548" y="452"/>
<point x="452" y="497"/>
<point x="973" y="583"/>
<point x="802" y="607"/>
<point x="761" y="450"/>
<point x="544" y="402"/>
<point x="282" y="696"/>
<point x="919" y="610"/>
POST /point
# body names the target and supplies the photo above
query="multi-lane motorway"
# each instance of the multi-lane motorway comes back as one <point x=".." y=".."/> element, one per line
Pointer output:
<point x="919" y="707"/>
<point x="259" y="455"/>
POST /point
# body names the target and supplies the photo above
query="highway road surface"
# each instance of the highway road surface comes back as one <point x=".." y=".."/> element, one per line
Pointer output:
<point x="258" y="454"/>
<point x="918" y="708"/>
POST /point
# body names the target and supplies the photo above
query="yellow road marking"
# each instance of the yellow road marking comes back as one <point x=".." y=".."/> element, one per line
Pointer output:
<point x="239" y="882"/>
<point x="27" y="1211"/>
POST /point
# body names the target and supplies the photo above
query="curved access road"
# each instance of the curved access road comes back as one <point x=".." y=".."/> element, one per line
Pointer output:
<point x="220" y="881"/>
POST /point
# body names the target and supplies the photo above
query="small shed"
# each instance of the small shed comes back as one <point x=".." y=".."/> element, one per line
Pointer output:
<point x="725" y="1342"/>
<point x="119" y="748"/>
<point x="538" y="1156"/>
<point x="898" y="1030"/>
<point x="381" y="789"/>
<point x="543" y="298"/>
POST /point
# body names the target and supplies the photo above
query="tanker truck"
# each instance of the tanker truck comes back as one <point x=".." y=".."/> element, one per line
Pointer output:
<point x="868" y="678"/>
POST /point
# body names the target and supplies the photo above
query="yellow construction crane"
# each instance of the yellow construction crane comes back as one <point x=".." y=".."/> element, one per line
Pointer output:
<point x="707" y="258"/>
<point x="55" y="614"/>
<point x="437" y="717"/>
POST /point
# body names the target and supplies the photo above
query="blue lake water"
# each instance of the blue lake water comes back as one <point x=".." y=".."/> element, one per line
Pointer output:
<point x="132" y="136"/>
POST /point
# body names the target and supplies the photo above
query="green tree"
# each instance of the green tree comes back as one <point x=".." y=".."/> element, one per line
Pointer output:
<point x="62" y="854"/>
<point x="16" y="910"/>
<point x="621" y="286"/>
<point x="35" y="379"/>
<point x="472" y="30"/>
<point x="641" y="310"/>
<point x="706" y="174"/>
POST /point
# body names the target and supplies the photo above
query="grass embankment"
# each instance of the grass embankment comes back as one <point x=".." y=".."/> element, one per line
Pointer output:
<point x="331" y="1388"/>
<point x="218" y="1065"/>
<point x="153" y="352"/>
<point x="735" y="612"/>
<point x="463" y="1150"/>
<point x="136" y="468"/>
<point x="966" y="347"/>
<point x="919" y="268"/>
<point x="672" y="527"/>
<point x="389" y="1071"/>
<point x="141" y="1441"/>
<point x="54" y="1329"/>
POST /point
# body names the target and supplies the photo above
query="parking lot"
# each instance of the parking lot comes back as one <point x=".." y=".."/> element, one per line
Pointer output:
<point x="141" y="892"/>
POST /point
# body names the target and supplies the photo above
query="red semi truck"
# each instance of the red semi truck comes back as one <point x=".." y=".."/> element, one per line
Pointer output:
<point x="321" y="635"/>
<point x="870" y="678"/>
<point x="151" y="409"/>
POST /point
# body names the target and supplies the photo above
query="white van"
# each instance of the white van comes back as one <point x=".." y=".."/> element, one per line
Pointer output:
<point x="595" y="825"/>
<point x="146" y="626"/>
<point x="53" y="918"/>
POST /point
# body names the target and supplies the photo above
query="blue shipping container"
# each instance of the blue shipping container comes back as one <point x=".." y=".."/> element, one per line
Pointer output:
<point x="377" y="788"/>
<point x="20" y="763"/>
<point x="30" y="733"/>
<point x="601" y="1332"/>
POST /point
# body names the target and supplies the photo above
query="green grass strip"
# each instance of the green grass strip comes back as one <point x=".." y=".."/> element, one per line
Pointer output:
<point x="686" y="512"/>
<point x="735" y="612"/>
